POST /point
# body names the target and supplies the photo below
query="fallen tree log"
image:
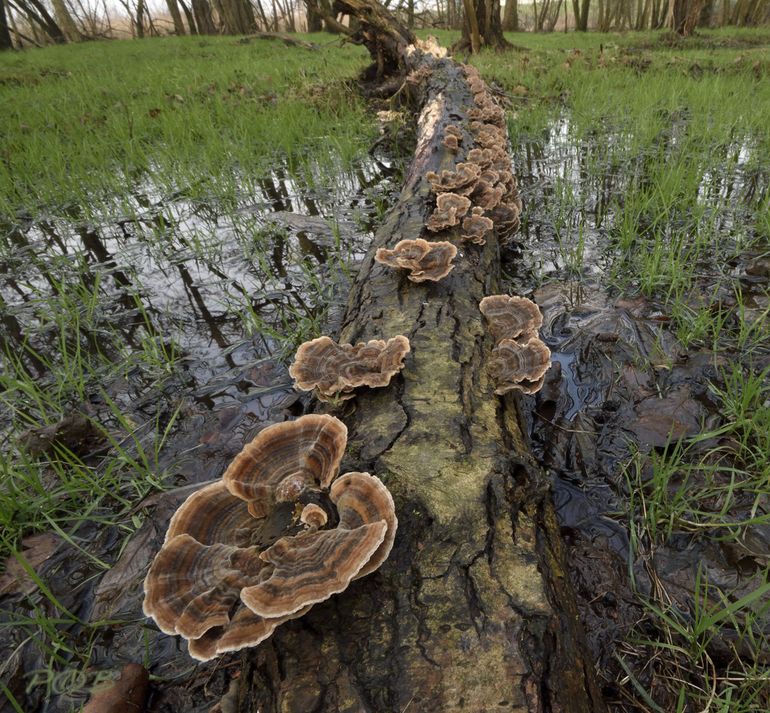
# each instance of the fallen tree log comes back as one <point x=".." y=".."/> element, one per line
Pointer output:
<point x="473" y="611"/>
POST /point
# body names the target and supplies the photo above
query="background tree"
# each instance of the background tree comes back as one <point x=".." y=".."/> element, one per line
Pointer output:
<point x="5" y="35"/>
<point x="511" y="16"/>
<point x="580" y="8"/>
<point x="482" y="27"/>
<point x="176" y="17"/>
<point x="683" y="15"/>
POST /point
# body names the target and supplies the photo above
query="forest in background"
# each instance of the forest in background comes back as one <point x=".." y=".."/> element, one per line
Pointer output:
<point x="25" y="23"/>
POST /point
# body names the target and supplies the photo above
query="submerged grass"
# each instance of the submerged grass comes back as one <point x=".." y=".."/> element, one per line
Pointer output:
<point x="134" y="179"/>
<point x="200" y="115"/>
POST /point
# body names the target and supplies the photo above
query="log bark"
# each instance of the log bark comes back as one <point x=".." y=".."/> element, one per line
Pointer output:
<point x="381" y="33"/>
<point x="473" y="610"/>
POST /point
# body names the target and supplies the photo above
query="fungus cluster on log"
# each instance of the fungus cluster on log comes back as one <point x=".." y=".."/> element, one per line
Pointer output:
<point x="336" y="370"/>
<point x="425" y="261"/>
<point x="520" y="358"/>
<point x="482" y="187"/>
<point x="279" y="533"/>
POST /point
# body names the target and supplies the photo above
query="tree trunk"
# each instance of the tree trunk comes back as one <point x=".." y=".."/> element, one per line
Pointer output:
<point x="176" y="16"/>
<point x="65" y="21"/>
<point x="581" y="14"/>
<point x="140" y="8"/>
<point x="511" y="16"/>
<point x="473" y="610"/>
<point x="683" y="15"/>
<point x="203" y="19"/>
<point x="5" y="34"/>
<point x="313" y="16"/>
<point x="189" y="17"/>
<point x="40" y="17"/>
<point x="487" y="16"/>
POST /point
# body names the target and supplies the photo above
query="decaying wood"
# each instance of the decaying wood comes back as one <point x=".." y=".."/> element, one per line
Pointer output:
<point x="473" y="610"/>
<point x="381" y="33"/>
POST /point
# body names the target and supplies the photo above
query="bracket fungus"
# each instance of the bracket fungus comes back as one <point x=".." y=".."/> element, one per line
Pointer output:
<point x="519" y="359"/>
<point x="225" y="579"/>
<point x="476" y="226"/>
<point x="510" y="316"/>
<point x="450" y="207"/>
<point x="334" y="370"/>
<point x="424" y="260"/>
<point x="285" y="459"/>
<point x="519" y="365"/>
<point x="461" y="180"/>
<point x="453" y="137"/>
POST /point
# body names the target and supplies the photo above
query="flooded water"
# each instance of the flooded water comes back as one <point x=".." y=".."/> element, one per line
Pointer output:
<point x="200" y="303"/>
<point x="624" y="390"/>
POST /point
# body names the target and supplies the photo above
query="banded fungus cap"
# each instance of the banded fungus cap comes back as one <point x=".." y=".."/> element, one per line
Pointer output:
<point x="334" y="370"/>
<point x="284" y="459"/>
<point x="476" y="226"/>
<point x="224" y="596"/>
<point x="244" y="629"/>
<point x="519" y="365"/>
<point x="450" y="207"/>
<point x="314" y="516"/>
<point x="190" y="587"/>
<point x="488" y="195"/>
<point x="461" y="180"/>
<point x="490" y="113"/>
<point x="213" y="515"/>
<point x="361" y="499"/>
<point x="425" y="260"/>
<point x="511" y="316"/>
<point x="311" y="567"/>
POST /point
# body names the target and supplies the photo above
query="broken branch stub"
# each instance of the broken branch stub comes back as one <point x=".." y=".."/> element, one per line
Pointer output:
<point x="335" y="370"/>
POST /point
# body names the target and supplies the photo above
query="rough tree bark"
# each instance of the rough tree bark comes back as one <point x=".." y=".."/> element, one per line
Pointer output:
<point x="176" y="16"/>
<point x="473" y="610"/>
<point x="581" y="14"/>
<point x="5" y="35"/>
<point x="487" y="15"/>
<point x="203" y="19"/>
<point x="65" y="21"/>
<point x="511" y="16"/>
<point x="39" y="17"/>
<point x="683" y="15"/>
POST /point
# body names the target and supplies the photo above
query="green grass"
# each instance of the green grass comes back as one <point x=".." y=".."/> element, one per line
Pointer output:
<point x="170" y="139"/>
<point x="83" y="124"/>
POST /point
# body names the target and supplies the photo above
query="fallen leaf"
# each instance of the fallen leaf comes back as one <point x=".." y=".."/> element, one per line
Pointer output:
<point x="126" y="695"/>
<point x="35" y="550"/>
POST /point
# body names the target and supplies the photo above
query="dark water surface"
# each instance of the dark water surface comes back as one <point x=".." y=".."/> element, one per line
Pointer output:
<point x="199" y="304"/>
